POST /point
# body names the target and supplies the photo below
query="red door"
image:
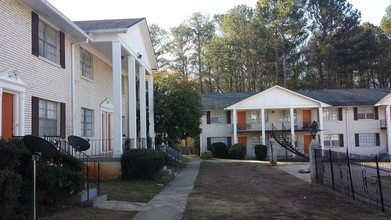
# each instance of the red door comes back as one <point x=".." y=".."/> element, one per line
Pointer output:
<point x="241" y="120"/>
<point x="7" y="116"/>
<point x="306" y="118"/>
<point x="243" y="140"/>
<point x="307" y="142"/>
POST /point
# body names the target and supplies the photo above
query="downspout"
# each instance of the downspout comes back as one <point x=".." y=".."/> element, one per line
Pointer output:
<point x="73" y="92"/>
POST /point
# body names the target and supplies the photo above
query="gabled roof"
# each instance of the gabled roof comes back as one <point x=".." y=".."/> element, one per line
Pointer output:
<point x="212" y="101"/>
<point x="277" y="97"/>
<point x="334" y="97"/>
<point x="113" y="25"/>
<point x="348" y="97"/>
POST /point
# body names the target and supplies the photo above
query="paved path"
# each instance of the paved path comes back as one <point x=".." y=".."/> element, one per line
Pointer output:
<point x="170" y="203"/>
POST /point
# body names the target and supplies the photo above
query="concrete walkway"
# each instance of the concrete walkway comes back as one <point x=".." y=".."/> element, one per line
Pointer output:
<point x="170" y="203"/>
<point x="293" y="169"/>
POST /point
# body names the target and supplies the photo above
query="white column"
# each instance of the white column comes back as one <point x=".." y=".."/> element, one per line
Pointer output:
<point x="21" y="109"/>
<point x="117" y="99"/>
<point x="151" y="110"/>
<point x="263" y="126"/>
<point x="143" y="108"/>
<point x="292" y="126"/>
<point x="321" y="127"/>
<point x="388" y="123"/>
<point x="132" y="101"/>
<point x="234" y="123"/>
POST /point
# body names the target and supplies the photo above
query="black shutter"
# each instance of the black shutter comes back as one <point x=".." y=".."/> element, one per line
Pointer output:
<point x="228" y="117"/>
<point x="62" y="49"/>
<point x="229" y="141"/>
<point x="341" y="140"/>
<point x="377" y="139"/>
<point x="356" y="140"/>
<point x="355" y="113"/>
<point x="376" y="109"/>
<point x="208" y="143"/>
<point x="35" y="116"/>
<point x="62" y="120"/>
<point x="35" y="34"/>
<point x="208" y="117"/>
<point x="340" y="117"/>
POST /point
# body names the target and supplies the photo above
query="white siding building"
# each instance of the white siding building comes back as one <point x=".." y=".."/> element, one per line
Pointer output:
<point x="353" y="120"/>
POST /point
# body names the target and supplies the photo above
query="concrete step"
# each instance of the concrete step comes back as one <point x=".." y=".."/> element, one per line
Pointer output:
<point x="97" y="200"/>
<point x="83" y="195"/>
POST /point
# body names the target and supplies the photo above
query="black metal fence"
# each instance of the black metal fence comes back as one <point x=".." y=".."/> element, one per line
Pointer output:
<point x="364" y="178"/>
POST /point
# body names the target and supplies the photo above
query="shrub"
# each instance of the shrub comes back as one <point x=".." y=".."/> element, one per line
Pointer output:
<point x="260" y="152"/>
<point x="142" y="163"/>
<point x="10" y="187"/>
<point x="219" y="150"/>
<point x="237" y="151"/>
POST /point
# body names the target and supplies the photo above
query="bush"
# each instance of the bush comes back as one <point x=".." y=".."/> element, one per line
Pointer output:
<point x="237" y="151"/>
<point x="10" y="187"/>
<point x="142" y="163"/>
<point x="260" y="152"/>
<point x="219" y="150"/>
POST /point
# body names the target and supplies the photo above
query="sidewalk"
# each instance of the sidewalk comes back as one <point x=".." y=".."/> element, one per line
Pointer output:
<point x="170" y="203"/>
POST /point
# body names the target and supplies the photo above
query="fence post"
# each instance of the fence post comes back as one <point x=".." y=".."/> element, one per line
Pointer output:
<point x="319" y="166"/>
<point x="331" y="169"/>
<point x="350" y="174"/>
<point x="380" y="189"/>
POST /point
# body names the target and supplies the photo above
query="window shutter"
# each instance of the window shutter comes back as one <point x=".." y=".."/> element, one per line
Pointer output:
<point x="377" y="139"/>
<point x="208" y="143"/>
<point x="62" y="120"/>
<point x="340" y="117"/>
<point x="355" y="113"/>
<point x="62" y="49"/>
<point x="229" y="141"/>
<point x="35" y="34"/>
<point x="376" y="110"/>
<point x="35" y="116"/>
<point x="208" y="117"/>
<point x="356" y="140"/>
<point x="228" y="117"/>
<point x="341" y="140"/>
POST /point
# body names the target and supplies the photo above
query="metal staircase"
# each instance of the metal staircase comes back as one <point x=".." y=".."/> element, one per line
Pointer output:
<point x="286" y="142"/>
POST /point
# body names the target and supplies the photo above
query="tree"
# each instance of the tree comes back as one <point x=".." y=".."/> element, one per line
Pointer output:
<point x="286" y="20"/>
<point x="160" y="41"/>
<point x="177" y="107"/>
<point x="386" y="22"/>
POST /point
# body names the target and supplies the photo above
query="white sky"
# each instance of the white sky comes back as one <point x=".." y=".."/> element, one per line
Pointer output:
<point x="171" y="13"/>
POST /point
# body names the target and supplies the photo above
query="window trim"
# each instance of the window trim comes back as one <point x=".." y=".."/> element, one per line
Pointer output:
<point x="82" y="64"/>
<point x="83" y="122"/>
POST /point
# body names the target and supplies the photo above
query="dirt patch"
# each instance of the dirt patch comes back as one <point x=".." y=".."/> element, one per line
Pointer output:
<point x="236" y="190"/>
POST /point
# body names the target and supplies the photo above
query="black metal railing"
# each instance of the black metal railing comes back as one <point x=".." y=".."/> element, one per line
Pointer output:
<point x="360" y="177"/>
<point x="286" y="142"/>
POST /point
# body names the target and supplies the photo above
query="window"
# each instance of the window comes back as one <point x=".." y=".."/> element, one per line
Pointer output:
<point x="48" y="118"/>
<point x="211" y="140"/>
<point x="218" y="117"/>
<point x="86" y="64"/>
<point x="332" y="140"/>
<point x="48" y="42"/>
<point x="365" y="113"/>
<point x="286" y="116"/>
<point x="367" y="139"/>
<point x="256" y="140"/>
<point x="256" y="117"/>
<point x="330" y="114"/>
<point x="87" y="122"/>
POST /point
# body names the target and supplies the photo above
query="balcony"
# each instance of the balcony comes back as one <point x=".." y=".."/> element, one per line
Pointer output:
<point x="269" y="126"/>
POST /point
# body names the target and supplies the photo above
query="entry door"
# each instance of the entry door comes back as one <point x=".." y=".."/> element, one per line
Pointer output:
<point x="243" y="140"/>
<point x="242" y="120"/>
<point x="307" y="142"/>
<point x="306" y="118"/>
<point x="7" y="116"/>
<point x="106" y="131"/>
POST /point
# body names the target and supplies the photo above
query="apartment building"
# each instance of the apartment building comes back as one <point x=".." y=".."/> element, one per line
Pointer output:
<point x="354" y="120"/>
<point x="87" y="78"/>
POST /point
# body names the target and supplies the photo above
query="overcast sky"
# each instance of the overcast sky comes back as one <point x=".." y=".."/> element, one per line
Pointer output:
<point x="170" y="13"/>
